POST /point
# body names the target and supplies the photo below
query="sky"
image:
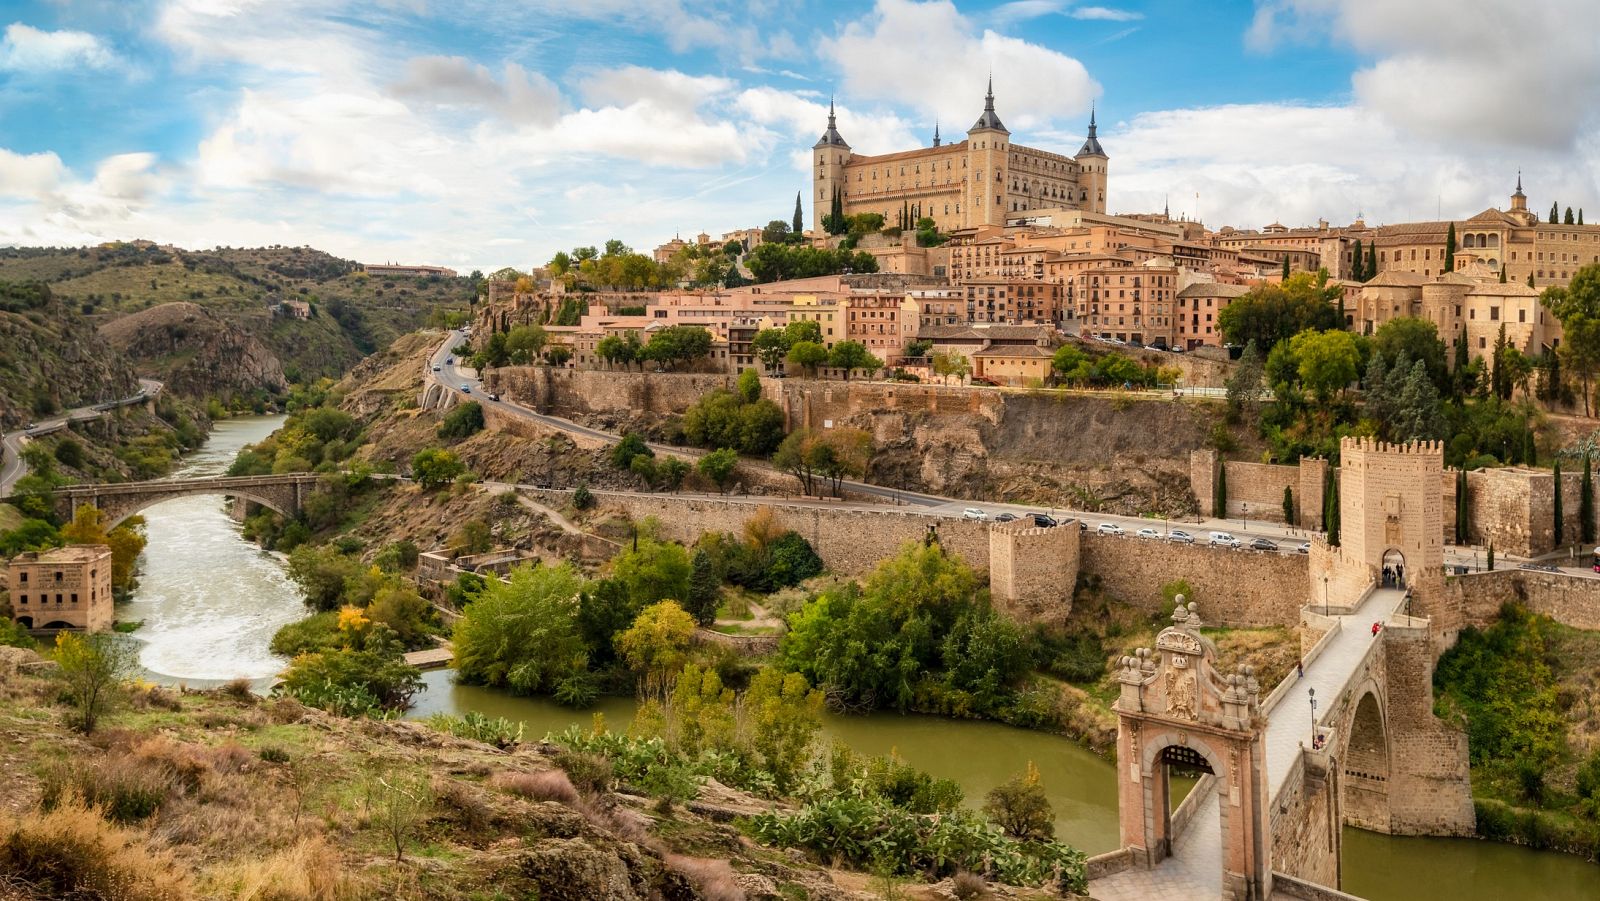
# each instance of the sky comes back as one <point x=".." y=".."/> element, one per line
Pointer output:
<point x="488" y="133"/>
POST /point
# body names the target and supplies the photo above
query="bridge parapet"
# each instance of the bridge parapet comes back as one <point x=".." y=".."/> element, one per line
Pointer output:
<point x="282" y="494"/>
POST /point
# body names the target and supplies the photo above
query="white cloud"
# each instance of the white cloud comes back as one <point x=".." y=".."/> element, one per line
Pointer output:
<point x="1105" y="14"/>
<point x="453" y="81"/>
<point x="665" y="89"/>
<point x="942" y="70"/>
<point x="28" y="49"/>
<point x="1486" y="72"/>
<point x="29" y="175"/>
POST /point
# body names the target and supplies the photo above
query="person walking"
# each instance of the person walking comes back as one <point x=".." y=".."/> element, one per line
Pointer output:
<point x="1300" y="668"/>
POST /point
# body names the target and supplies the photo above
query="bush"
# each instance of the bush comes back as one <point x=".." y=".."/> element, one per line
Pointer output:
<point x="474" y="726"/>
<point x="463" y="421"/>
<point x="71" y="852"/>
<point x="370" y="678"/>
<point x="124" y="788"/>
<point x="629" y="447"/>
<point x="589" y="773"/>
<point x="1077" y="657"/>
<point x="92" y="667"/>
<point x="549" y="785"/>
<point x="582" y="497"/>
<point x="1019" y="806"/>
<point x="433" y="468"/>
<point x="523" y="634"/>
<point x="318" y="632"/>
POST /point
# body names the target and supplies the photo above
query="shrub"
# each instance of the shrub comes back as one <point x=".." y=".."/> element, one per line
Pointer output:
<point x="589" y="773"/>
<point x="522" y="634"/>
<point x="124" y="788"/>
<point x="69" y="851"/>
<point x="474" y="726"/>
<point x="967" y="886"/>
<point x="369" y="678"/>
<point x="463" y="421"/>
<point x="317" y="632"/>
<point x="629" y="447"/>
<point x="582" y="497"/>
<point x="273" y="754"/>
<point x="92" y="666"/>
<point x="1020" y="807"/>
<point x="547" y="785"/>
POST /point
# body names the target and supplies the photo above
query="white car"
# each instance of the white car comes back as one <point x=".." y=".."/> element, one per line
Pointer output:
<point x="973" y="513"/>
<point x="1110" y="528"/>
<point x="1303" y="548"/>
<point x="1223" y="539"/>
<point x="1148" y="533"/>
<point x="1180" y="536"/>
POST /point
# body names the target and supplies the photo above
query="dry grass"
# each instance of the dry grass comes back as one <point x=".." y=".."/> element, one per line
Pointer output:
<point x="548" y="785"/>
<point x="71" y="852"/>
<point x="968" y="886"/>
<point x="123" y="787"/>
<point x="310" y="870"/>
<point x="714" y="878"/>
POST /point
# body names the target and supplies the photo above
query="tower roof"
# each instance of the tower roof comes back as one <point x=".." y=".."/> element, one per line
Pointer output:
<point x="1519" y="185"/>
<point x="831" y="137"/>
<point x="989" y="121"/>
<point x="1091" y="144"/>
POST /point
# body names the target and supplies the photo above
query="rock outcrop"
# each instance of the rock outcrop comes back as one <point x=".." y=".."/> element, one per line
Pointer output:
<point x="196" y="353"/>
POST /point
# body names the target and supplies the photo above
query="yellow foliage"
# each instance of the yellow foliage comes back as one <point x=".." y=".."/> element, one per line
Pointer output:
<point x="352" y="619"/>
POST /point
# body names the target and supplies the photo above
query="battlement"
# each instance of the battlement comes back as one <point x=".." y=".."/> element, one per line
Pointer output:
<point x="1033" y="570"/>
<point x="1369" y="445"/>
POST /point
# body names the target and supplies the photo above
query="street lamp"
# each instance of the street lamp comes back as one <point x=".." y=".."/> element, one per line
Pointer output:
<point x="1324" y="595"/>
<point x="1312" y="694"/>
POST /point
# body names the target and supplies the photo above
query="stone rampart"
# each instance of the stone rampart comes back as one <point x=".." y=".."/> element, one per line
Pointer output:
<point x="1430" y="792"/>
<point x="1032" y="571"/>
<point x="1232" y="587"/>
<point x="1255" y="490"/>
<point x="1514" y="508"/>
<point x="1305" y="822"/>
<point x="1570" y="599"/>
<point x="573" y="392"/>
<point x="850" y="542"/>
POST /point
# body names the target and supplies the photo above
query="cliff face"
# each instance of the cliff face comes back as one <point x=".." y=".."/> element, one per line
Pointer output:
<point x="196" y="353"/>
<point x="52" y="359"/>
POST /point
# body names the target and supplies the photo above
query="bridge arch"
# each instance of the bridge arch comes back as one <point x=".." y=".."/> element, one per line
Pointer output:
<point x="122" y="511"/>
<point x="1367" y="762"/>
<point x="282" y="494"/>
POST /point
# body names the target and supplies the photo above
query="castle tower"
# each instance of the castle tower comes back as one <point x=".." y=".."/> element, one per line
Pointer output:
<point x="1092" y="161"/>
<point x="988" y="143"/>
<point x="1519" y="205"/>
<point x="828" y="157"/>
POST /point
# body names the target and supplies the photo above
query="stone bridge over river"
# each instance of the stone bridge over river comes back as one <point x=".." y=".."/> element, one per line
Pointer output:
<point x="283" y="494"/>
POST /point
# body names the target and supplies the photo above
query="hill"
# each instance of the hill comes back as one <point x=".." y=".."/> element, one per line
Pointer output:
<point x="196" y="353"/>
<point x="348" y="314"/>
<point x="51" y="358"/>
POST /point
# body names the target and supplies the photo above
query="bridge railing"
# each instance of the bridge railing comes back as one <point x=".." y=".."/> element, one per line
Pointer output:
<point x="169" y="484"/>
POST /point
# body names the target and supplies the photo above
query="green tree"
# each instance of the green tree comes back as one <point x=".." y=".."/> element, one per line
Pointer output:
<point x="783" y="715"/>
<point x="799" y="217"/>
<point x="1219" y="491"/>
<point x="321" y="572"/>
<point x="808" y="355"/>
<point x="850" y="355"/>
<point x="656" y="646"/>
<point x="1415" y="340"/>
<point x="434" y="467"/>
<point x="1416" y="410"/>
<point x="616" y="349"/>
<point x="1555" y="213"/>
<point x="653" y="571"/>
<point x="1569" y="220"/>
<point x="1586" y="503"/>
<point x="1578" y="307"/>
<point x="1268" y="314"/>
<point x="1358" y="267"/>
<point x="1462" y="522"/>
<point x="1330" y="508"/>
<point x="1244" y="385"/>
<point x="720" y="467"/>
<point x="775" y="232"/>
<point x="91" y="667"/>
<point x="523" y="344"/>
<point x="1020" y="807"/>
<point x="630" y="446"/>
<point x="522" y="634"/>
<point x="749" y="386"/>
<point x="704" y="588"/>
<point x="1450" y="249"/>
<point x="1288" y="505"/>
<point x="1285" y="275"/>
<point x="463" y="421"/>
<point x="1328" y="361"/>
<point x="367" y="675"/>
<point x="676" y="345"/>
<point x="770" y="345"/>
<point x="948" y="363"/>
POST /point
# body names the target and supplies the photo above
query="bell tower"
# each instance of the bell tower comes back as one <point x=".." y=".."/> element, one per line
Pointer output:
<point x="828" y="158"/>
<point x="988" y="153"/>
<point x="1092" y="161"/>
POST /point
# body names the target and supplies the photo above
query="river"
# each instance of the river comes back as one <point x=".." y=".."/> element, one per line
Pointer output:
<point x="211" y="601"/>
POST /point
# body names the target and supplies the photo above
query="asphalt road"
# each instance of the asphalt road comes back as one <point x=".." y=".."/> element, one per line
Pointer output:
<point x="12" y="469"/>
<point x="455" y="377"/>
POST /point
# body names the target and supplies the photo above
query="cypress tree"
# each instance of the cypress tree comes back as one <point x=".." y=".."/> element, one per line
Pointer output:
<point x="1586" y="503"/>
<point x="1569" y="220"/>
<point x="1499" y="379"/>
<point x="1327" y="498"/>
<point x="1530" y="279"/>
<point x="1219" y="491"/>
<point x="1357" y="265"/>
<point x="1461" y="505"/>
<point x="1557" y="511"/>
<point x="1333" y="515"/>
<point x="1502" y="273"/>
<point x="1285" y="268"/>
<point x="1530" y="448"/>
<point x="1491" y="556"/>
<point x="799" y="218"/>
<point x="1372" y="260"/>
<point x="1288" y="505"/>
<point x="1580" y="215"/>
<point x="1555" y="213"/>
<point x="1450" y="249"/>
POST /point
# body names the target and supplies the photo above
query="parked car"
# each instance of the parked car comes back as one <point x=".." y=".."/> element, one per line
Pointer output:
<point x="973" y="513"/>
<point x="1180" y="536"/>
<point x="436" y="369"/>
<point x="466" y="389"/>
<point x="29" y="427"/>
<point x="1149" y="533"/>
<point x="1263" y="544"/>
<point x="1110" y="528"/>
<point x="492" y="396"/>
<point x="1083" y="526"/>
<point x="1006" y="517"/>
<point x="450" y="360"/>
<point x="1223" y="539"/>
<point x="1043" y="521"/>
<point x="1304" y="548"/>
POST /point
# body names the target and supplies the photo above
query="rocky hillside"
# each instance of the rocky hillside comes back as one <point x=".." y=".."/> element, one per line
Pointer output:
<point x="51" y="357"/>
<point x="195" y="352"/>
<point x="348" y="314"/>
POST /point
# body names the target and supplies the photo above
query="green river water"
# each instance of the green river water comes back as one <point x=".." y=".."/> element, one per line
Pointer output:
<point x="211" y="601"/>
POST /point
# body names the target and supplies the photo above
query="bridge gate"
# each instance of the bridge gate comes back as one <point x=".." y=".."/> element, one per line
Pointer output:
<point x="1177" y="711"/>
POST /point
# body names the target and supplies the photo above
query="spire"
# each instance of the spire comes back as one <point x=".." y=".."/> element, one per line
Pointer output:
<point x="1166" y="202"/>
<point x="831" y="138"/>
<point x="1091" y="144"/>
<point x="1519" y="185"/>
<point x="989" y="120"/>
<point x="936" y="132"/>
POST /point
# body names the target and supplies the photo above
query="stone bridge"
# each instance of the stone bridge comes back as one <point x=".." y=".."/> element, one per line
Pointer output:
<point x="282" y="494"/>
<point x="1353" y="740"/>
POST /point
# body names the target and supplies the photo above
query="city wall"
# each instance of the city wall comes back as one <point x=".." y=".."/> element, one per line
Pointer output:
<point x="1255" y="490"/>
<point x="1571" y="600"/>
<point x="569" y="392"/>
<point x="1232" y="587"/>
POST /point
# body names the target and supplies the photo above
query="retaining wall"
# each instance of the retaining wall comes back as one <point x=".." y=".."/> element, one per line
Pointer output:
<point x="1232" y="587"/>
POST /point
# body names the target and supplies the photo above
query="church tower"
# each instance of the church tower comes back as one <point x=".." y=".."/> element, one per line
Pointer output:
<point x="828" y="157"/>
<point x="1092" y="161"/>
<point x="1519" y="205"/>
<point x="988" y="146"/>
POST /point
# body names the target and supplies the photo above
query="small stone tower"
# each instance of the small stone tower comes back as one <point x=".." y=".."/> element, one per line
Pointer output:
<point x="1033" y="571"/>
<point x="828" y="157"/>
<point x="1092" y="162"/>
<point x="988" y="146"/>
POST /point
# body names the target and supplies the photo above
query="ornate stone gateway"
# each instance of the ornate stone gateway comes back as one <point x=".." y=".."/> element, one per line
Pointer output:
<point x="1176" y="710"/>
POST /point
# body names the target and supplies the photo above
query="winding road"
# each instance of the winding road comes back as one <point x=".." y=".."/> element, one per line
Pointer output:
<point x="12" y="468"/>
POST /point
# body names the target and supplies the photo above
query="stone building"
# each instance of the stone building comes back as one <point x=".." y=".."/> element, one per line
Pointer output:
<point x="1196" y="309"/>
<point x="978" y="181"/>
<point x="63" y="588"/>
<point x="1471" y="300"/>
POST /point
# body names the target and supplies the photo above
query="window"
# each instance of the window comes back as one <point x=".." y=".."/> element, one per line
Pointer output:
<point x="1481" y="343"/>
<point x="1494" y="314"/>
<point x="1522" y="315"/>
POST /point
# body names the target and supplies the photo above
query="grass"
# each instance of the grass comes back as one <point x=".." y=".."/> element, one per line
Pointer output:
<point x="127" y="626"/>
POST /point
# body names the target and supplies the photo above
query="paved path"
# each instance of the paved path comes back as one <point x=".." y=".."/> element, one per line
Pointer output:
<point x="432" y="658"/>
<point x="1194" y="871"/>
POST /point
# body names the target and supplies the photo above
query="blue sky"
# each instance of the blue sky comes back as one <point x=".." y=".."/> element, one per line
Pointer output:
<point x="478" y="133"/>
